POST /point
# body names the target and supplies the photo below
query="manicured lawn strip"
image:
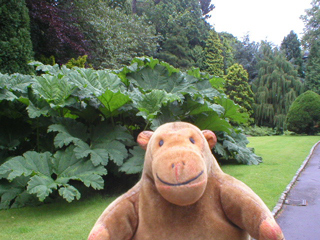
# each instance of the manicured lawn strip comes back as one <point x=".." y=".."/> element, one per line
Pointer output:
<point x="282" y="156"/>
<point x="57" y="221"/>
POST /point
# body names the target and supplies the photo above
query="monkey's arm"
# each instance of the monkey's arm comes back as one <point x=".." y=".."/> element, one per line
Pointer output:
<point x="119" y="220"/>
<point x="246" y="210"/>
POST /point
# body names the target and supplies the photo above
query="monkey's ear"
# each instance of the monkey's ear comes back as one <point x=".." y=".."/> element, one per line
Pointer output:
<point x="211" y="138"/>
<point x="143" y="139"/>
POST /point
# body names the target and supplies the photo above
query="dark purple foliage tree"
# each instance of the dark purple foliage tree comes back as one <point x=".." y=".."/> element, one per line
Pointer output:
<point x="54" y="31"/>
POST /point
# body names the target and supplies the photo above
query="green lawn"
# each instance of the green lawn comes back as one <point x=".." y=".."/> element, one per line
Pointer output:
<point x="282" y="156"/>
<point x="57" y="221"/>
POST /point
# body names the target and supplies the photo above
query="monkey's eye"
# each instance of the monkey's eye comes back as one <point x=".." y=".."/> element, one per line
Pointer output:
<point x="161" y="143"/>
<point x="192" y="140"/>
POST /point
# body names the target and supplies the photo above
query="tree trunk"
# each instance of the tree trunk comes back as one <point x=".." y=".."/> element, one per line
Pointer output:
<point x="134" y="6"/>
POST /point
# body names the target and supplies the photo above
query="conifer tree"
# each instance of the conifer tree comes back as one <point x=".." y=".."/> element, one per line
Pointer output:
<point x="291" y="47"/>
<point x="206" y="7"/>
<point x="228" y="42"/>
<point x="238" y="89"/>
<point x="214" y="62"/>
<point x="312" y="80"/>
<point x="246" y="54"/>
<point x="276" y="87"/>
<point x="15" y="40"/>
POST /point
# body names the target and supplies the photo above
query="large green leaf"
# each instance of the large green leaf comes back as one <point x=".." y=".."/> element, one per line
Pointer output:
<point x="68" y="131"/>
<point x="145" y="61"/>
<point x="7" y="95"/>
<point x="213" y="122"/>
<point x="67" y="166"/>
<point x="55" y="90"/>
<point x="169" y="113"/>
<point x="112" y="101"/>
<point x="135" y="163"/>
<point x="46" y="173"/>
<point x="95" y="82"/>
<point x="37" y="166"/>
<point x="232" y="110"/>
<point x="101" y="144"/>
<point x="36" y="106"/>
<point x="107" y="143"/>
<point x="53" y="70"/>
<point x="10" y="191"/>
<point x="233" y="146"/>
<point x="205" y="90"/>
<point x="31" y="163"/>
<point x="69" y="193"/>
<point x="150" y="104"/>
<point x="202" y="106"/>
<point x="42" y="186"/>
<point x="14" y="86"/>
<point x="159" y="78"/>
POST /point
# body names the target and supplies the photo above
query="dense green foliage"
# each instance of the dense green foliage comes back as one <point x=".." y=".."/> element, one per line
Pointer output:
<point x="304" y="114"/>
<point x="15" y="40"/>
<point x="246" y="54"/>
<point x="114" y="37"/>
<point x="312" y="22"/>
<point x="214" y="61"/>
<point x="313" y="68"/>
<point x="256" y="131"/>
<point x="311" y="42"/>
<point x="182" y="28"/>
<point x="228" y="42"/>
<point x="276" y="87"/>
<point x="291" y="47"/>
<point x="238" y="88"/>
<point x="79" y="124"/>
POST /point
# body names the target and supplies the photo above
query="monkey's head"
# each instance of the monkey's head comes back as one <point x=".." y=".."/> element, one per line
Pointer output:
<point x="177" y="160"/>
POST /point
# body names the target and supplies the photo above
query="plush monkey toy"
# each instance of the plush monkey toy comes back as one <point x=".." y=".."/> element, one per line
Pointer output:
<point x="183" y="194"/>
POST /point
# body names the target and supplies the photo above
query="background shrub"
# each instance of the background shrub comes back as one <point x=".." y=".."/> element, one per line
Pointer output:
<point x="15" y="40"/>
<point x="304" y="114"/>
<point x="259" y="131"/>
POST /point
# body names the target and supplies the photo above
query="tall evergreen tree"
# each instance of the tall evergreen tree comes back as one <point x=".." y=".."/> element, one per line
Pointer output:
<point x="276" y="87"/>
<point x="246" y="54"/>
<point x="312" y="79"/>
<point x="291" y="47"/>
<point x="214" y="61"/>
<point x="206" y="7"/>
<point x="15" y="40"/>
<point x="238" y="88"/>
<point x="228" y="42"/>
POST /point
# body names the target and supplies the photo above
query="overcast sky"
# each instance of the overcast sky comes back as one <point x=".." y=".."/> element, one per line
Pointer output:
<point x="270" y="20"/>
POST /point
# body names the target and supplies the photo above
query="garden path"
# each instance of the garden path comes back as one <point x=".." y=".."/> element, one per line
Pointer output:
<point x="300" y="214"/>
